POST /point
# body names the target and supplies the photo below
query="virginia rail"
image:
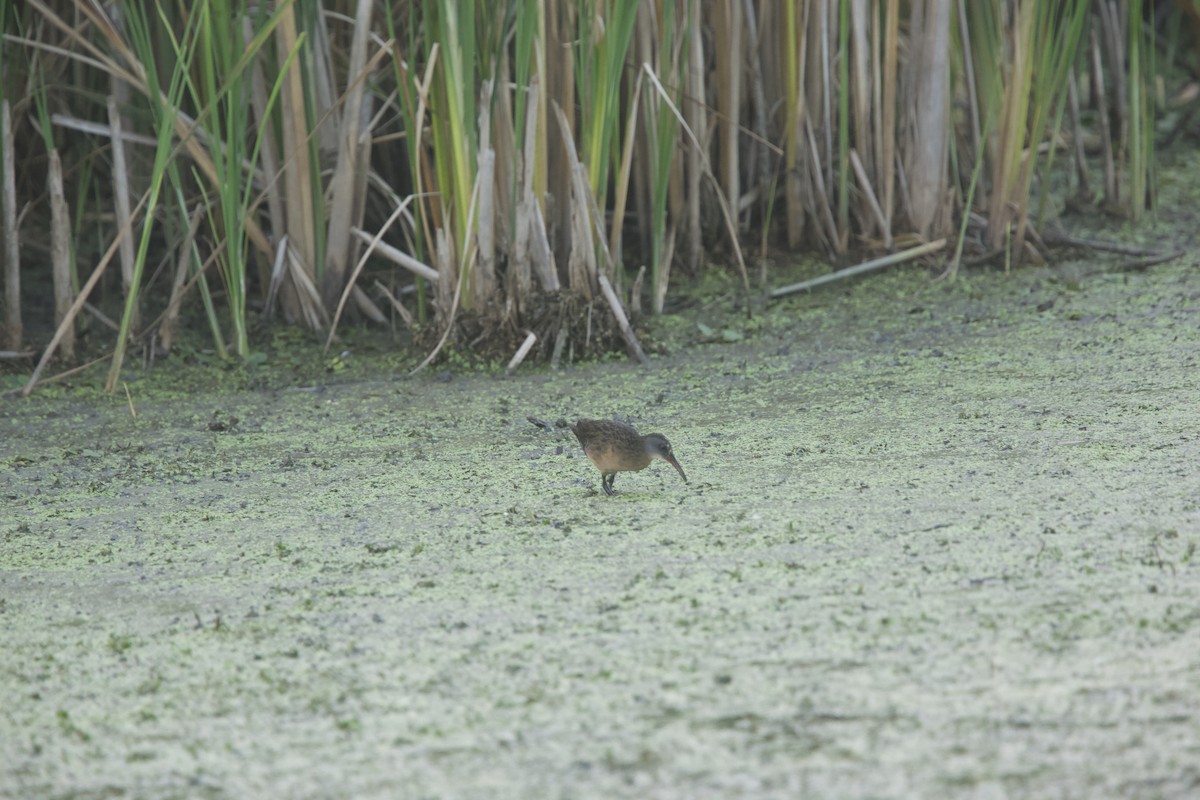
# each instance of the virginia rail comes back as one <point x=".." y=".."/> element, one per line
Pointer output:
<point x="616" y="447"/>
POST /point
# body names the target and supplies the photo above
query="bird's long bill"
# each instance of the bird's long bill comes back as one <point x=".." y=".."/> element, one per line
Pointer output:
<point x="671" y="460"/>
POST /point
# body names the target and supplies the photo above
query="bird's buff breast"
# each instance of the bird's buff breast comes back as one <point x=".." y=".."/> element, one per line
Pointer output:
<point x="610" y="459"/>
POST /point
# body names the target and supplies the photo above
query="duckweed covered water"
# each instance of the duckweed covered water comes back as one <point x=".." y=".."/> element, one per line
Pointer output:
<point x="939" y="541"/>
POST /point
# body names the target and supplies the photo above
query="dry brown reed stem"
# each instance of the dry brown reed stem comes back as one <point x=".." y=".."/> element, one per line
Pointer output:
<point x="1010" y="135"/>
<point x="353" y="158"/>
<point x="929" y="140"/>
<point x="68" y="122"/>
<point x="504" y="144"/>
<point x="120" y="180"/>
<point x="270" y="159"/>
<point x="694" y="109"/>
<point x="730" y="71"/>
<point x="860" y="103"/>
<point x="794" y="45"/>
<point x="823" y="88"/>
<point x="534" y="251"/>
<point x="758" y="92"/>
<point x="883" y="125"/>
<point x="13" y="332"/>
<point x="887" y="135"/>
<point x="60" y="253"/>
<point x="849" y="272"/>
<point x="297" y="174"/>
<point x="581" y="262"/>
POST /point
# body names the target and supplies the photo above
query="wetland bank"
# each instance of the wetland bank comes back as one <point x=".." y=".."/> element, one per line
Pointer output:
<point x="947" y="553"/>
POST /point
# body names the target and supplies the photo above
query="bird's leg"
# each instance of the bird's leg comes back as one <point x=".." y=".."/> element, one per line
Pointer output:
<point x="606" y="481"/>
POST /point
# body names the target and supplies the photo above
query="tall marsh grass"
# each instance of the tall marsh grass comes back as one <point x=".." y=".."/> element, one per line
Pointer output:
<point x="472" y="166"/>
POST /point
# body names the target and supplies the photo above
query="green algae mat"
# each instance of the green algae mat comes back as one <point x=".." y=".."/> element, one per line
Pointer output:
<point x="939" y="541"/>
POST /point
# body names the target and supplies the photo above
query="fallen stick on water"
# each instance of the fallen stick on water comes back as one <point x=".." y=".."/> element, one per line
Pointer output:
<point x="848" y="272"/>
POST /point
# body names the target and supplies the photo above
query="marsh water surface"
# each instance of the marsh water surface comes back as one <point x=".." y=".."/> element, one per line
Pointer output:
<point x="939" y="541"/>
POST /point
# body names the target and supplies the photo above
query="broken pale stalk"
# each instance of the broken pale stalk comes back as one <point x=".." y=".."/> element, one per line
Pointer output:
<point x="522" y="351"/>
<point x="403" y="259"/>
<point x="849" y="272"/>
